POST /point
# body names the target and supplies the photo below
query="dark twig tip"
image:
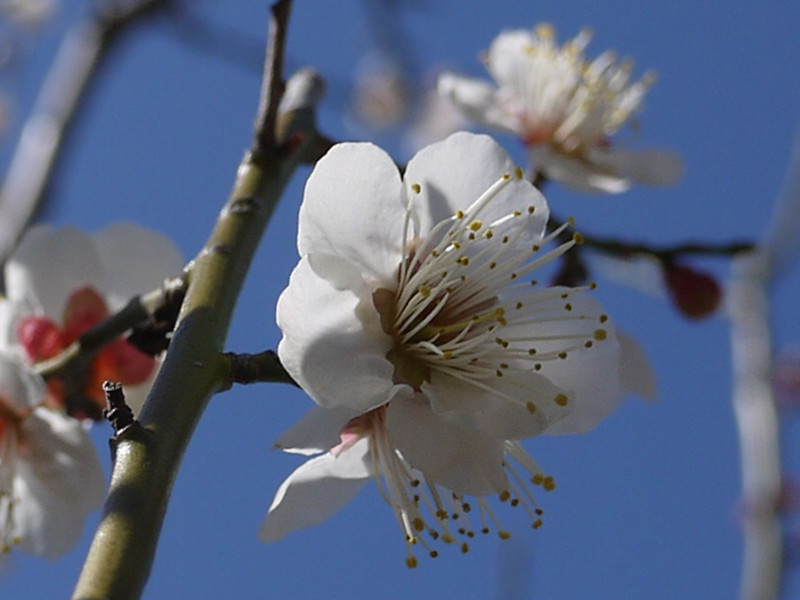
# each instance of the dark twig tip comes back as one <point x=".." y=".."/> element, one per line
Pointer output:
<point x="118" y="413"/>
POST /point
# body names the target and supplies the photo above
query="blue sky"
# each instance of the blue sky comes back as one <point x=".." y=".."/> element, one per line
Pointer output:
<point x="646" y="505"/>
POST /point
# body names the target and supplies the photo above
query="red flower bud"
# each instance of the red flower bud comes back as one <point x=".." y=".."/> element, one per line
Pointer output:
<point x="696" y="294"/>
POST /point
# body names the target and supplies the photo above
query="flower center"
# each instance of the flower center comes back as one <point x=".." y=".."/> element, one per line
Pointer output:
<point x="465" y="306"/>
<point x="79" y="389"/>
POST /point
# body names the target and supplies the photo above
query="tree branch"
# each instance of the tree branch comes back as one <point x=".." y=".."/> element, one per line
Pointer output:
<point x="194" y="369"/>
<point x="85" y="48"/>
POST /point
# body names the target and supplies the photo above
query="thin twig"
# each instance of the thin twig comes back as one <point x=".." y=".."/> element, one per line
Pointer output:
<point x="273" y="84"/>
<point x="264" y="367"/>
<point x="85" y="48"/>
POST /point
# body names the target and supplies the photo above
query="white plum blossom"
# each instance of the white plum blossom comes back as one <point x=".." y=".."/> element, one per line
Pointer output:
<point x="564" y="108"/>
<point x="61" y="282"/>
<point x="50" y="476"/>
<point x="413" y="320"/>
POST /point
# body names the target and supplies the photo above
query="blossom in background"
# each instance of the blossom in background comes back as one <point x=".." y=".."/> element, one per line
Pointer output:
<point x="59" y="283"/>
<point x="50" y="476"/>
<point x="413" y="321"/>
<point x="564" y="109"/>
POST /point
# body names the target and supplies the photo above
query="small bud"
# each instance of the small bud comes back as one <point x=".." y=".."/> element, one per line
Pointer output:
<point x="696" y="294"/>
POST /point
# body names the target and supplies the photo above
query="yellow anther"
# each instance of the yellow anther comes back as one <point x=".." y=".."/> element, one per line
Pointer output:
<point x="561" y="399"/>
<point x="562" y="355"/>
<point x="459" y="214"/>
<point x="463" y="260"/>
<point x="416" y="188"/>
<point x="411" y="562"/>
<point x="488" y="234"/>
<point x="571" y="221"/>
<point x="537" y="523"/>
<point x="517" y="213"/>
<point x="549" y="484"/>
<point x="506" y="176"/>
<point x="519" y="173"/>
<point x="419" y="524"/>
<point x="424" y="290"/>
<point x="504" y="495"/>
<point x="603" y="318"/>
<point x="567" y="306"/>
<point x="504" y="535"/>
<point x="475" y="225"/>
<point x="531" y="407"/>
<point x="600" y="334"/>
<point x="464" y="548"/>
<point x="578" y="238"/>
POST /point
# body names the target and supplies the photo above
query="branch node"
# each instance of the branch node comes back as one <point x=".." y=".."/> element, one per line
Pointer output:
<point x="118" y="413"/>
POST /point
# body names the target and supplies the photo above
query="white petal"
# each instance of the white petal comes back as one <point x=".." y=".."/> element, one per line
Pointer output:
<point x="135" y="259"/>
<point x="333" y="345"/>
<point x="19" y="384"/>
<point x="455" y="172"/>
<point x="464" y="460"/>
<point x="316" y="490"/>
<point x="592" y="380"/>
<point x="507" y="58"/>
<point x="649" y="166"/>
<point x="493" y="414"/>
<point x="49" y="265"/>
<point x="59" y="482"/>
<point x="476" y="100"/>
<point x="578" y="174"/>
<point x="636" y="374"/>
<point x="353" y="209"/>
<point x="318" y="431"/>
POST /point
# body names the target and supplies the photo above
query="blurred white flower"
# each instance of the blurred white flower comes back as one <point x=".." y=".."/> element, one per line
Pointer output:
<point x="50" y="476"/>
<point x="412" y="314"/>
<point x="564" y="109"/>
<point x="59" y="283"/>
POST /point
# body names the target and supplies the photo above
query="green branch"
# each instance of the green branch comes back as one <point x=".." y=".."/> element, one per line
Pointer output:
<point x="148" y="457"/>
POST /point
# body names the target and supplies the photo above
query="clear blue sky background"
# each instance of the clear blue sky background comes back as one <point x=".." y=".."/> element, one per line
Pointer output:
<point x="646" y="505"/>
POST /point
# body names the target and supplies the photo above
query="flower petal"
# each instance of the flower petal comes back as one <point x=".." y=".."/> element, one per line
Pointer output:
<point x="49" y="265"/>
<point x="58" y="483"/>
<point x="19" y="385"/>
<point x="352" y="209"/>
<point x="508" y="59"/>
<point x="649" y="166"/>
<point x="476" y="101"/>
<point x="579" y="174"/>
<point x="461" y="459"/>
<point x="333" y="345"/>
<point x="636" y="374"/>
<point x="590" y="376"/>
<point x="135" y="260"/>
<point x="493" y="413"/>
<point x="318" y="431"/>
<point x="455" y="172"/>
<point x="316" y="491"/>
